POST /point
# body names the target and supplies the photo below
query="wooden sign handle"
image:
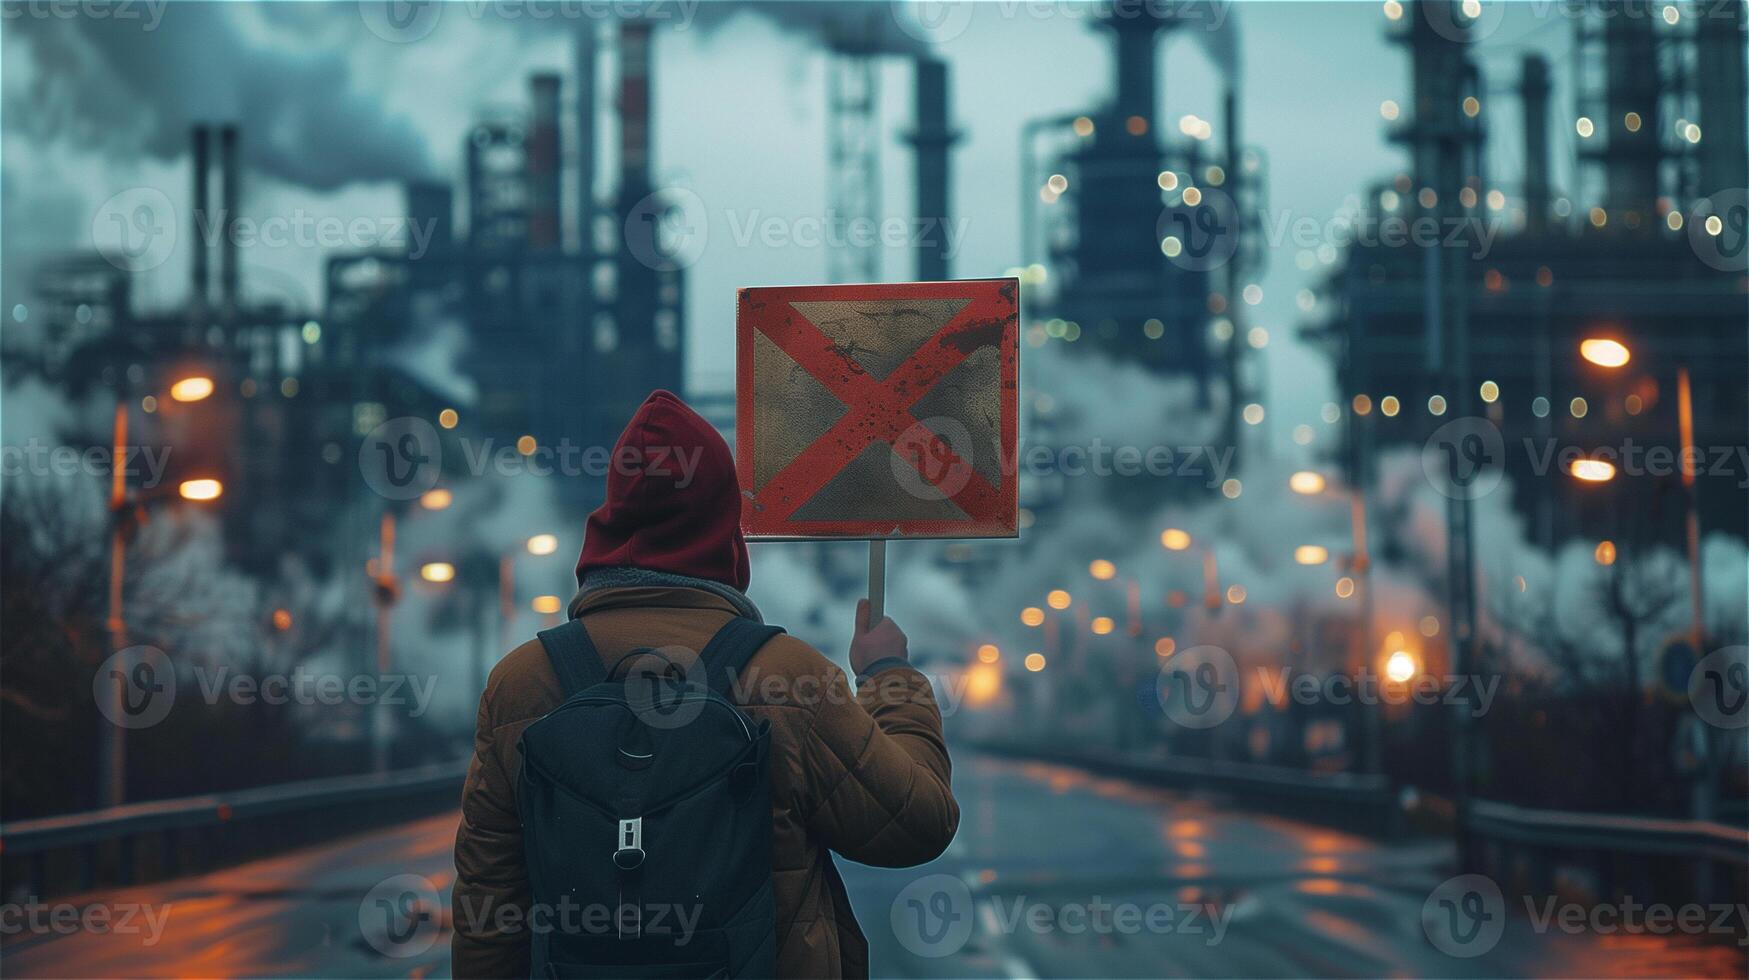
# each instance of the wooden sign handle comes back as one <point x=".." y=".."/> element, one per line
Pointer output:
<point x="877" y="581"/>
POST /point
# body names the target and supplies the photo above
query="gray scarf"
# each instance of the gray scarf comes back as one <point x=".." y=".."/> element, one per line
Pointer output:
<point x="597" y="579"/>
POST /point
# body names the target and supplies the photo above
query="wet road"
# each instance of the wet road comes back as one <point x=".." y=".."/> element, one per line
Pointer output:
<point x="1054" y="873"/>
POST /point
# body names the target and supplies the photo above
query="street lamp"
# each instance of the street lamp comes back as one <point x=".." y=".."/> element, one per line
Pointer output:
<point x="543" y="544"/>
<point x="437" y="571"/>
<point x="1400" y="666"/>
<point x="200" y="490"/>
<point x="1592" y="470"/>
<point x="1174" y="539"/>
<point x="1604" y="352"/>
<point x="192" y="389"/>
<point x="112" y="744"/>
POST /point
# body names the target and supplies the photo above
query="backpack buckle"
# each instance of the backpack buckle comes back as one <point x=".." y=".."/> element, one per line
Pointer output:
<point x="629" y="853"/>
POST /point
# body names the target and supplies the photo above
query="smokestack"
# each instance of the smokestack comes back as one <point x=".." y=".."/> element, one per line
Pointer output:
<point x="228" y="171"/>
<point x="1533" y="91"/>
<point x="1631" y="155"/>
<point x="1719" y="78"/>
<point x="202" y="160"/>
<point x="586" y="139"/>
<point x="932" y="140"/>
<point x="431" y="204"/>
<point x="1135" y="65"/>
<point x="544" y="232"/>
<point x="634" y="108"/>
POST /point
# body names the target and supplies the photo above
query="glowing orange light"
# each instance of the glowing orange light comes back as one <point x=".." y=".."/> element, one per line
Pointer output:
<point x="1400" y="666"/>
<point x="1593" y="470"/>
<point x="1101" y="569"/>
<point x="989" y="653"/>
<point x="191" y="389"/>
<point x="1605" y="553"/>
<point x="546" y="605"/>
<point x="1311" y="554"/>
<point x="204" y="489"/>
<point x="1604" y="352"/>
<point x="1032" y="616"/>
<point x="437" y="498"/>
<point x="1103" y="625"/>
<point x="437" y="571"/>
<point x="1307" y="482"/>
<point x="1035" y="662"/>
<point x="1058" y="599"/>
<point x="543" y="544"/>
<point x="1165" y="646"/>
<point x="282" y="619"/>
<point x="1173" y="539"/>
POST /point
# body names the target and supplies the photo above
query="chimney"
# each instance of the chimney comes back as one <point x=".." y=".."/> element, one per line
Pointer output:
<point x="1533" y="91"/>
<point x="1719" y="78"/>
<point x="228" y="171"/>
<point x="1135" y="65"/>
<point x="544" y="231"/>
<point x="430" y="204"/>
<point x="585" y="67"/>
<point x="1630" y="155"/>
<point x="197" y="297"/>
<point x="932" y="139"/>
<point x="634" y="109"/>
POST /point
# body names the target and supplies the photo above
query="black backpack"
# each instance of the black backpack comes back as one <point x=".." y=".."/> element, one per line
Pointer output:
<point x="645" y="800"/>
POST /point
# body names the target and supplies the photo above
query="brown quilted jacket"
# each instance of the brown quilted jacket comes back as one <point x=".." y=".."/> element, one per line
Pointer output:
<point x="864" y="774"/>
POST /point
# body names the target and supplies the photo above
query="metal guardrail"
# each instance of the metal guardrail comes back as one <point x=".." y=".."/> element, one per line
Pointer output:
<point x="1572" y="831"/>
<point x="102" y="843"/>
<point x="1360" y="801"/>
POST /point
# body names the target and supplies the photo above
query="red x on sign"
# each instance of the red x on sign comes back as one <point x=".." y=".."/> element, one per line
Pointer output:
<point x="877" y="411"/>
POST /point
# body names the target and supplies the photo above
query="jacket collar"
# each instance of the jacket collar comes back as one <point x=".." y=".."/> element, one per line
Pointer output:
<point x="648" y="597"/>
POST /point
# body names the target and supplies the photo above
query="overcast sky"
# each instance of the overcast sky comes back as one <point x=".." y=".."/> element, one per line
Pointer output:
<point x="93" y="109"/>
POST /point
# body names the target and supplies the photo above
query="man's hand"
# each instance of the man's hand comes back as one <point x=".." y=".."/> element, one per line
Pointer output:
<point x="882" y="641"/>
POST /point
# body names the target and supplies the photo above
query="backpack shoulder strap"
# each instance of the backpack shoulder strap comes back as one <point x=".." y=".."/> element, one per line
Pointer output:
<point x="573" y="656"/>
<point x="731" y="648"/>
